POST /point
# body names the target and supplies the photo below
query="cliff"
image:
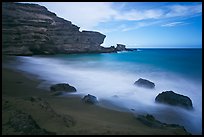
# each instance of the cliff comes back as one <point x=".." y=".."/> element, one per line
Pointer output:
<point x="29" y="29"/>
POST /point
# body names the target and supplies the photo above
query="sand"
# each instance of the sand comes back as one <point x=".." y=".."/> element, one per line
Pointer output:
<point x="63" y="115"/>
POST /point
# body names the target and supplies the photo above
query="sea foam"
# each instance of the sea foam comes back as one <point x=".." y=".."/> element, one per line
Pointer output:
<point x="114" y="81"/>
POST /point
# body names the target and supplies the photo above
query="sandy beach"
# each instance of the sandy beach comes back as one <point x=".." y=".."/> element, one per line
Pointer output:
<point x="63" y="115"/>
<point x="107" y="68"/>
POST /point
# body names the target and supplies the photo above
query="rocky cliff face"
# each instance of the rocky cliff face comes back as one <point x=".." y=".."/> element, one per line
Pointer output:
<point x="31" y="29"/>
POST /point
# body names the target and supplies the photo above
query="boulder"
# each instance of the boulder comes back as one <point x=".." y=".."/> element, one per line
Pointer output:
<point x="62" y="87"/>
<point x="171" y="98"/>
<point x="120" y="47"/>
<point x="90" y="99"/>
<point x="144" y="83"/>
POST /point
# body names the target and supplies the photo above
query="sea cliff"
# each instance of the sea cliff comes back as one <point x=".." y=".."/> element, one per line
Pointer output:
<point x="29" y="29"/>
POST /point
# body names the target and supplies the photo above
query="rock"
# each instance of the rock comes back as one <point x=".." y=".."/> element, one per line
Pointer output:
<point x="120" y="47"/>
<point x="11" y="50"/>
<point x="130" y="49"/>
<point x="150" y="121"/>
<point x="62" y="87"/>
<point x="108" y="49"/>
<point x="30" y="29"/>
<point x="171" y="98"/>
<point x="144" y="83"/>
<point x="90" y="99"/>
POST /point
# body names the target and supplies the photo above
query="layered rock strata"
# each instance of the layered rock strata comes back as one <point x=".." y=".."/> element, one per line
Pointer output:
<point x="29" y="29"/>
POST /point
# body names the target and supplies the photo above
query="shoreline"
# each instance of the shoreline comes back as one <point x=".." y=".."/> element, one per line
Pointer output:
<point x="87" y="119"/>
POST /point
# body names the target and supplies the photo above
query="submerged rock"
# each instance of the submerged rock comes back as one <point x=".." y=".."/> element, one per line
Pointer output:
<point x="90" y="99"/>
<point x="171" y="98"/>
<point x="144" y="83"/>
<point x="62" y="87"/>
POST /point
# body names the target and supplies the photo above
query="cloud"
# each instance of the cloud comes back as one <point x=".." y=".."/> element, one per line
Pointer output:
<point x="159" y="13"/>
<point x="87" y="15"/>
<point x="180" y="10"/>
<point x="91" y="15"/>
<point x="141" y="24"/>
<point x="137" y="25"/>
<point x="172" y="24"/>
<point x="112" y="29"/>
<point x="136" y="15"/>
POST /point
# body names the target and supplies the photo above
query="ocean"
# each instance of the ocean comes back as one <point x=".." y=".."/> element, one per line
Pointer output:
<point x="111" y="77"/>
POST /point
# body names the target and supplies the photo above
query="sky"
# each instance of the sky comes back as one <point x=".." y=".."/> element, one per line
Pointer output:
<point x="137" y="24"/>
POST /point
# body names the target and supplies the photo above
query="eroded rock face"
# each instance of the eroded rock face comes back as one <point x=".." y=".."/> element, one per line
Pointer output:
<point x="29" y="29"/>
<point x="144" y="83"/>
<point x="171" y="98"/>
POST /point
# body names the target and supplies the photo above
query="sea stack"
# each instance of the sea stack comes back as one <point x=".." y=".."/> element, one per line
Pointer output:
<point x="120" y="47"/>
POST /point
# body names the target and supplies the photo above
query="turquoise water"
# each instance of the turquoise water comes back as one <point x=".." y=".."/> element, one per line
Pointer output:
<point x="187" y="62"/>
<point x="107" y="75"/>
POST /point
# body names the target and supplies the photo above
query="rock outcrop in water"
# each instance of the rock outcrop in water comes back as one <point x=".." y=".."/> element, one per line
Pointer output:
<point x="29" y="29"/>
<point x="120" y="47"/>
<point x="144" y="83"/>
<point x="171" y="98"/>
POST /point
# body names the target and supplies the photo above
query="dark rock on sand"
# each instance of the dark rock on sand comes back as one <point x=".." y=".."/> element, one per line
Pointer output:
<point x="144" y="83"/>
<point x="24" y="123"/>
<point x="90" y="99"/>
<point x="171" y="98"/>
<point x="150" y="121"/>
<point x="62" y="87"/>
